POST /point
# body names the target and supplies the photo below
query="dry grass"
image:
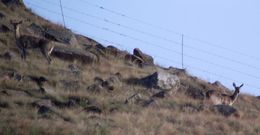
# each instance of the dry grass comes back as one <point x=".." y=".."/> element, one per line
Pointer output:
<point x="175" y="114"/>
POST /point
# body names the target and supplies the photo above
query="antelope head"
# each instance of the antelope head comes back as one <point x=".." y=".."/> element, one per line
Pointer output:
<point x="237" y="88"/>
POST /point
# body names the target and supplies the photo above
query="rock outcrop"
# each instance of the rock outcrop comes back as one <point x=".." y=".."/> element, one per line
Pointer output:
<point x="146" y="59"/>
<point x="161" y="80"/>
<point x="70" y="54"/>
<point x="61" y="35"/>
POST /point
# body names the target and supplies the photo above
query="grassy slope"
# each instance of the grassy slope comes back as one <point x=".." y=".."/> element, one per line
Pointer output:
<point x="168" y="116"/>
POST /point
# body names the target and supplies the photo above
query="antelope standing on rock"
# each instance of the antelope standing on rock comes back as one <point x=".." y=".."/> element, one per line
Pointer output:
<point x="218" y="98"/>
<point x="27" y="41"/>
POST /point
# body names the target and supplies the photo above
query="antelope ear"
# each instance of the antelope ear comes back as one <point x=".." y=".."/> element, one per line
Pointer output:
<point x="241" y="85"/>
<point x="234" y="85"/>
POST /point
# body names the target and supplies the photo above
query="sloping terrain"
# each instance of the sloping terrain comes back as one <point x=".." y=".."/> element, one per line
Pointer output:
<point x="90" y="88"/>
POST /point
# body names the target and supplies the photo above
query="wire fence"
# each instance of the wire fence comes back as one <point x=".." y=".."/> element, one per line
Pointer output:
<point x="158" y="37"/>
<point x="153" y="35"/>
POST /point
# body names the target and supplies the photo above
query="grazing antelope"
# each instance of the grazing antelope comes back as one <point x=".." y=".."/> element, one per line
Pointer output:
<point x="27" y="41"/>
<point x="218" y="98"/>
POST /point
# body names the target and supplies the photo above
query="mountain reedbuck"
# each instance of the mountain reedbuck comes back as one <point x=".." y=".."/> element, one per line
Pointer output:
<point x="25" y="42"/>
<point x="218" y="98"/>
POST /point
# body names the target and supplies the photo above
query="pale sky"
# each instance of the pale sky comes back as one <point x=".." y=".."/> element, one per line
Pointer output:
<point x="226" y="32"/>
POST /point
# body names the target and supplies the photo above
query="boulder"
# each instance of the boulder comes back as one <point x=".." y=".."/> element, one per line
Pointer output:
<point x="85" y="41"/>
<point x="147" y="60"/>
<point x="162" y="80"/>
<point x="98" y="49"/>
<point x="195" y="93"/>
<point x="220" y="85"/>
<point x="225" y="110"/>
<point x="134" y="59"/>
<point x="60" y="34"/>
<point x="70" y="54"/>
<point x="37" y="29"/>
<point x="113" y="51"/>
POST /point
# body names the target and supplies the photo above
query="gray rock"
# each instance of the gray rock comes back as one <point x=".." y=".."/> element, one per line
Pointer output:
<point x="113" y="51"/>
<point x="37" y="29"/>
<point x="147" y="60"/>
<point x="85" y="41"/>
<point x="195" y="93"/>
<point x="61" y="35"/>
<point x="162" y="80"/>
<point x="98" y="50"/>
<point x="70" y="54"/>
<point x="220" y="85"/>
<point x="134" y="59"/>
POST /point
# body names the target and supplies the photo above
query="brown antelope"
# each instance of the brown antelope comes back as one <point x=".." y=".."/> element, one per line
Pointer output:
<point x="218" y="98"/>
<point x="27" y="41"/>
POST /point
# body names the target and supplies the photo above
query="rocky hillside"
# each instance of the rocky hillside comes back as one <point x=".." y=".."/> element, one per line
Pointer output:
<point x="90" y="88"/>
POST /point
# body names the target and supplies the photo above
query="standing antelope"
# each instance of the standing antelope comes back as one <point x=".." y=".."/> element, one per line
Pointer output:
<point x="218" y="98"/>
<point x="27" y="41"/>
